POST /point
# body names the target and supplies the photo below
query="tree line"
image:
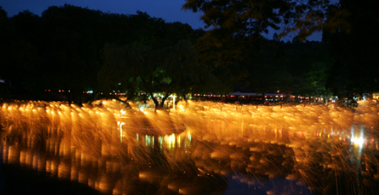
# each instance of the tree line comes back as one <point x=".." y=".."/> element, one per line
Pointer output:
<point x="73" y="50"/>
<point x="346" y="62"/>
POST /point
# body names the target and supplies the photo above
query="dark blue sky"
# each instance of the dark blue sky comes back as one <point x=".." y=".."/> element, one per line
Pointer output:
<point x="169" y="10"/>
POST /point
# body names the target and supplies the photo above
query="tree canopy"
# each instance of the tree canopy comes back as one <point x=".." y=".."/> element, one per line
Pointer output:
<point x="252" y="17"/>
<point x="69" y="50"/>
<point x="73" y="50"/>
<point x="349" y="31"/>
<point x="355" y="51"/>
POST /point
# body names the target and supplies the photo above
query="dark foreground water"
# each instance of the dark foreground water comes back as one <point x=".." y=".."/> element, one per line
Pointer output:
<point x="51" y="164"/>
<point x="212" y="156"/>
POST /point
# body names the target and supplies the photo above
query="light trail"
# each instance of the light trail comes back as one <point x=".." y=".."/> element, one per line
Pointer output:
<point x="246" y="136"/>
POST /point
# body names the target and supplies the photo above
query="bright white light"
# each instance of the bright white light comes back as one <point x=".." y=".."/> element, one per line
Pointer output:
<point x="358" y="141"/>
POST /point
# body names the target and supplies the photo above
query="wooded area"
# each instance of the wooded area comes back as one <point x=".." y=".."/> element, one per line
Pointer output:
<point x="69" y="50"/>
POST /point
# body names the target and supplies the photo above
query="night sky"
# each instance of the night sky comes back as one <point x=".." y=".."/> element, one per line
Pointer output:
<point x="169" y="10"/>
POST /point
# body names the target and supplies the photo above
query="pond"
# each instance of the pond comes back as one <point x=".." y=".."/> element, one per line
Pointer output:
<point x="200" y="148"/>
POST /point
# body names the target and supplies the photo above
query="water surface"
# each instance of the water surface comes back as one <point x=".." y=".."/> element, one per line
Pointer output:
<point x="203" y="148"/>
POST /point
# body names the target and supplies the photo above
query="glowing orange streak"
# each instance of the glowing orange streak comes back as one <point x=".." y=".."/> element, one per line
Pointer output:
<point x="121" y="124"/>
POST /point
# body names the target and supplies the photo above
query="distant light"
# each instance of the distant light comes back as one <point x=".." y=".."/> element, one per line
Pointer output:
<point x="122" y="112"/>
<point x="358" y="141"/>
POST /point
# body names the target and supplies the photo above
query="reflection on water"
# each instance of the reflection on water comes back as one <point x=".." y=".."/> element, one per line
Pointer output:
<point x="201" y="148"/>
